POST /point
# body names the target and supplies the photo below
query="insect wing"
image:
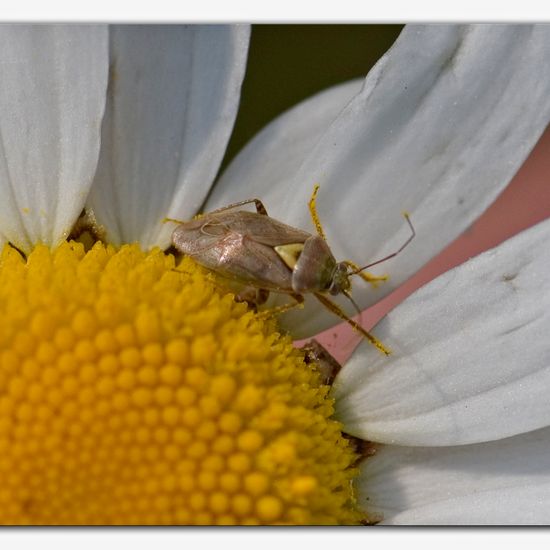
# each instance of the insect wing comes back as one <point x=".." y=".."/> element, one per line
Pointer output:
<point x="195" y="237"/>
<point x="263" y="229"/>
<point x="249" y="262"/>
<point x="231" y="245"/>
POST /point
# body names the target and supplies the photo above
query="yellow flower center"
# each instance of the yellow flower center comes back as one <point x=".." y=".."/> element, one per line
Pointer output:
<point x="132" y="393"/>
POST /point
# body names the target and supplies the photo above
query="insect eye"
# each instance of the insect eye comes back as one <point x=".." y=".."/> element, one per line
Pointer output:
<point x="340" y="279"/>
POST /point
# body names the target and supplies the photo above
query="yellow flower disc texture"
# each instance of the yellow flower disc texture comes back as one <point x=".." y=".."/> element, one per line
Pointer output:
<point x="135" y="392"/>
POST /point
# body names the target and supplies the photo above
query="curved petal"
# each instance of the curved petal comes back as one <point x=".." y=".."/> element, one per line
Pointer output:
<point x="264" y="166"/>
<point x="498" y="483"/>
<point x="443" y="122"/>
<point x="470" y="361"/>
<point x="54" y="79"/>
<point x="173" y="97"/>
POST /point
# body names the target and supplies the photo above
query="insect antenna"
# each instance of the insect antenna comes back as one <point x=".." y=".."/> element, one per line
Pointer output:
<point x="331" y="306"/>
<point x="354" y="303"/>
<point x="403" y="246"/>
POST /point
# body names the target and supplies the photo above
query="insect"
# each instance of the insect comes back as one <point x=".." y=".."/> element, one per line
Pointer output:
<point x="261" y="252"/>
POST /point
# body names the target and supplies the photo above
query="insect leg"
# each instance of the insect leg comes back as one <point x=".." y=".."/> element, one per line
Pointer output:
<point x="337" y="311"/>
<point x="166" y="220"/>
<point x="260" y="208"/>
<point x="373" y="280"/>
<point x="314" y="214"/>
<point x="298" y="302"/>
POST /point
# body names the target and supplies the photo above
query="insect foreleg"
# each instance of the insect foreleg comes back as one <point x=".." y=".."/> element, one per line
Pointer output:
<point x="373" y="280"/>
<point x="337" y="311"/>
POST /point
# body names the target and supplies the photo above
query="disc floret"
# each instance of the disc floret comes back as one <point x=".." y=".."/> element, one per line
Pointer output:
<point x="134" y="393"/>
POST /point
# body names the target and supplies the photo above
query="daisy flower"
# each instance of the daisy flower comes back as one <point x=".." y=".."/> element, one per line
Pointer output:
<point x="132" y="392"/>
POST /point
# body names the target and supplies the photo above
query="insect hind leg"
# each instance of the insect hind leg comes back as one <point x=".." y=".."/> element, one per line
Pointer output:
<point x="260" y="208"/>
<point x="331" y="306"/>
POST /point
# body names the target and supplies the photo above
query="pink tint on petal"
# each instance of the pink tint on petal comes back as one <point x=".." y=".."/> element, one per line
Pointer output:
<point x="525" y="202"/>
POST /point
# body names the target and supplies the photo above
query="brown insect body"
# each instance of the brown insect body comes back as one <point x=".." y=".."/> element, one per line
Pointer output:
<point x="257" y="250"/>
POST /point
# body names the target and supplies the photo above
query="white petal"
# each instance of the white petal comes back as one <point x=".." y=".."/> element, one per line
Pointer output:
<point x="443" y="122"/>
<point x="498" y="483"/>
<point x="173" y="98"/>
<point x="52" y="97"/>
<point x="470" y="361"/>
<point x="264" y="166"/>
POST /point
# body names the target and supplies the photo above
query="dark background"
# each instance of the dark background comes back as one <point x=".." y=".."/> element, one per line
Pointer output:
<point x="288" y="63"/>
